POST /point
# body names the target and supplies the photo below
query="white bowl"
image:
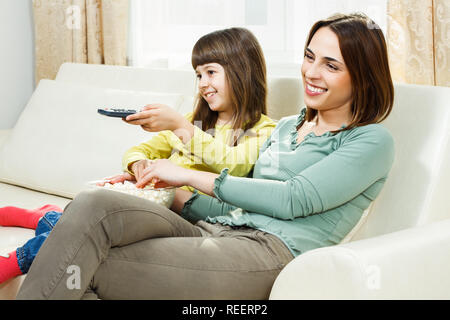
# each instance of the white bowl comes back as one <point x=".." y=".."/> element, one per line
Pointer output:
<point x="162" y="196"/>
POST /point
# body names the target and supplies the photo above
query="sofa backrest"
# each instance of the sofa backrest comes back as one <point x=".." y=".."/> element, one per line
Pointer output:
<point x="129" y="78"/>
<point x="284" y="96"/>
<point x="416" y="191"/>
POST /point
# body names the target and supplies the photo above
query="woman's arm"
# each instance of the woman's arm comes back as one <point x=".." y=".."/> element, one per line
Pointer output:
<point x="336" y="179"/>
<point x="329" y="183"/>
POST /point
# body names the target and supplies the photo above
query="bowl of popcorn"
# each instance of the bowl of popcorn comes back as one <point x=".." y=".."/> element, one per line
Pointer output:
<point x="163" y="196"/>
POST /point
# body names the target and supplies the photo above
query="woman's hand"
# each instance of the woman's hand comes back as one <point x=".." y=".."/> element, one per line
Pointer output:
<point x="119" y="178"/>
<point x="163" y="170"/>
<point x="138" y="168"/>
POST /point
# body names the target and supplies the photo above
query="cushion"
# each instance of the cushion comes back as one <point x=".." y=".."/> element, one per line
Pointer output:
<point x="129" y="78"/>
<point x="416" y="191"/>
<point x="284" y="96"/>
<point x="60" y="142"/>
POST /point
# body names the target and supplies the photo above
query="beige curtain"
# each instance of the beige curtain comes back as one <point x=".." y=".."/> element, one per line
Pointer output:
<point x="82" y="31"/>
<point x="419" y="41"/>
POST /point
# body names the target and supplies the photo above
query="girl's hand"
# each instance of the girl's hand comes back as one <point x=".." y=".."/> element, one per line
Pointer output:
<point x="119" y="178"/>
<point x="157" y="117"/>
<point x="163" y="170"/>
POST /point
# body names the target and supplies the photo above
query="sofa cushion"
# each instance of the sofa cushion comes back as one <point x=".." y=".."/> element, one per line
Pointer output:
<point x="60" y="142"/>
<point x="284" y="96"/>
<point x="129" y="78"/>
<point x="4" y="134"/>
<point x="414" y="193"/>
<point x="26" y="198"/>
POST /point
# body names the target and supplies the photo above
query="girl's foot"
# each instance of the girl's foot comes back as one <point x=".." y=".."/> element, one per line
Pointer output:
<point x="19" y="217"/>
<point x="9" y="267"/>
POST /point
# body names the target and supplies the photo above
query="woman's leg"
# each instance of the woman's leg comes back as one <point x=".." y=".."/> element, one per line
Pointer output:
<point x="227" y="264"/>
<point x="92" y="223"/>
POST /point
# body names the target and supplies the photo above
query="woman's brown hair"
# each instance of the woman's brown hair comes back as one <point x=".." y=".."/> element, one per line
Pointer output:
<point x="238" y="51"/>
<point x="363" y="48"/>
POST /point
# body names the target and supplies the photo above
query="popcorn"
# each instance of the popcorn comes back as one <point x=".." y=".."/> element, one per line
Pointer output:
<point x="162" y="196"/>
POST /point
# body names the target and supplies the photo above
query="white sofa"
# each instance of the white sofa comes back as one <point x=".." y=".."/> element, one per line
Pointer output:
<point x="399" y="250"/>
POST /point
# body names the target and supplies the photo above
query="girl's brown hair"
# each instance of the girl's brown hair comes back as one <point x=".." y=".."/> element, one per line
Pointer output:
<point x="238" y="51"/>
<point x="363" y="48"/>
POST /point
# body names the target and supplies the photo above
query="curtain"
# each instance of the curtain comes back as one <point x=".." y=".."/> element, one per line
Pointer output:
<point x="81" y="31"/>
<point x="419" y="41"/>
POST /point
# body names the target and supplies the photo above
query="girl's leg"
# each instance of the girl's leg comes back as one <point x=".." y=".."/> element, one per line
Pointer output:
<point x="92" y="223"/>
<point x="47" y="222"/>
<point x="26" y="218"/>
<point x="228" y="264"/>
<point x="19" y="261"/>
<point x="9" y="267"/>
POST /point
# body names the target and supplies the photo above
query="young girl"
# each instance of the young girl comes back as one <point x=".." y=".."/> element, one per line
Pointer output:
<point x="228" y="125"/>
<point x="226" y="130"/>
<point x="313" y="180"/>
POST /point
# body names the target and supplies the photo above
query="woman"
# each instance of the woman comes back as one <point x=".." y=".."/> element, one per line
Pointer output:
<point x="314" y="178"/>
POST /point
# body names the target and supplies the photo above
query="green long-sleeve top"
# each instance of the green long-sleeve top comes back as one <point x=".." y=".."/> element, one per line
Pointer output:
<point x="309" y="194"/>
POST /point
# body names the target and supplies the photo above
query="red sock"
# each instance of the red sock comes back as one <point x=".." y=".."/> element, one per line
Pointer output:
<point x="19" y="217"/>
<point x="9" y="267"/>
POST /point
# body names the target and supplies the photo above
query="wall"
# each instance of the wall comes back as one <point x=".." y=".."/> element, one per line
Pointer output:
<point x="16" y="59"/>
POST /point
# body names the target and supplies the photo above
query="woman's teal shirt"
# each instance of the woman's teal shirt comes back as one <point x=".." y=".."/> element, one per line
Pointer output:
<point x="310" y="194"/>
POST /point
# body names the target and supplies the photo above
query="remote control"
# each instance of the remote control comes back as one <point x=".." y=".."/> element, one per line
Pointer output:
<point x="114" y="112"/>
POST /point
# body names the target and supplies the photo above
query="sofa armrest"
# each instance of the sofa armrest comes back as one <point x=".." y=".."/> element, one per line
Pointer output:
<point x="408" y="264"/>
<point x="4" y="134"/>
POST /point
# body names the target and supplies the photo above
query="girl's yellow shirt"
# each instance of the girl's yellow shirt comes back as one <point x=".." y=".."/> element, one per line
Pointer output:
<point x="206" y="151"/>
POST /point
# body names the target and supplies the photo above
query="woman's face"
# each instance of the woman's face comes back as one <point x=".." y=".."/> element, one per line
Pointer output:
<point x="213" y="86"/>
<point x="326" y="80"/>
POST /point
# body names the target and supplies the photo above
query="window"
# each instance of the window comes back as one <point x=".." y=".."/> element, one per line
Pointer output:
<point x="163" y="32"/>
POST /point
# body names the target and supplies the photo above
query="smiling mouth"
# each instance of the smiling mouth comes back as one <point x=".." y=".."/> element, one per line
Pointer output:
<point x="210" y="94"/>
<point x="315" y="89"/>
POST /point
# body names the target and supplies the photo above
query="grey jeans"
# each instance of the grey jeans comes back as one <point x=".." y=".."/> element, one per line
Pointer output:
<point x="111" y="245"/>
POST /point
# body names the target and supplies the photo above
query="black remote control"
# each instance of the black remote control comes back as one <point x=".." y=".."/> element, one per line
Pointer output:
<point x="118" y="113"/>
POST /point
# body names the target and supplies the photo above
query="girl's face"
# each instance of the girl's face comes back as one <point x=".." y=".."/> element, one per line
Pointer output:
<point x="213" y="86"/>
<point x="326" y="80"/>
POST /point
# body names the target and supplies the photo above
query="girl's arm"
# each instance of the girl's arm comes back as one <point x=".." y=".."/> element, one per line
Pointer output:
<point x="212" y="151"/>
<point x="159" y="117"/>
<point x="218" y="154"/>
<point x="158" y="147"/>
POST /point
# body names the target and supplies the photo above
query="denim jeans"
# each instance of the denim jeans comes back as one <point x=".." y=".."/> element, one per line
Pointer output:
<point x="27" y="253"/>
